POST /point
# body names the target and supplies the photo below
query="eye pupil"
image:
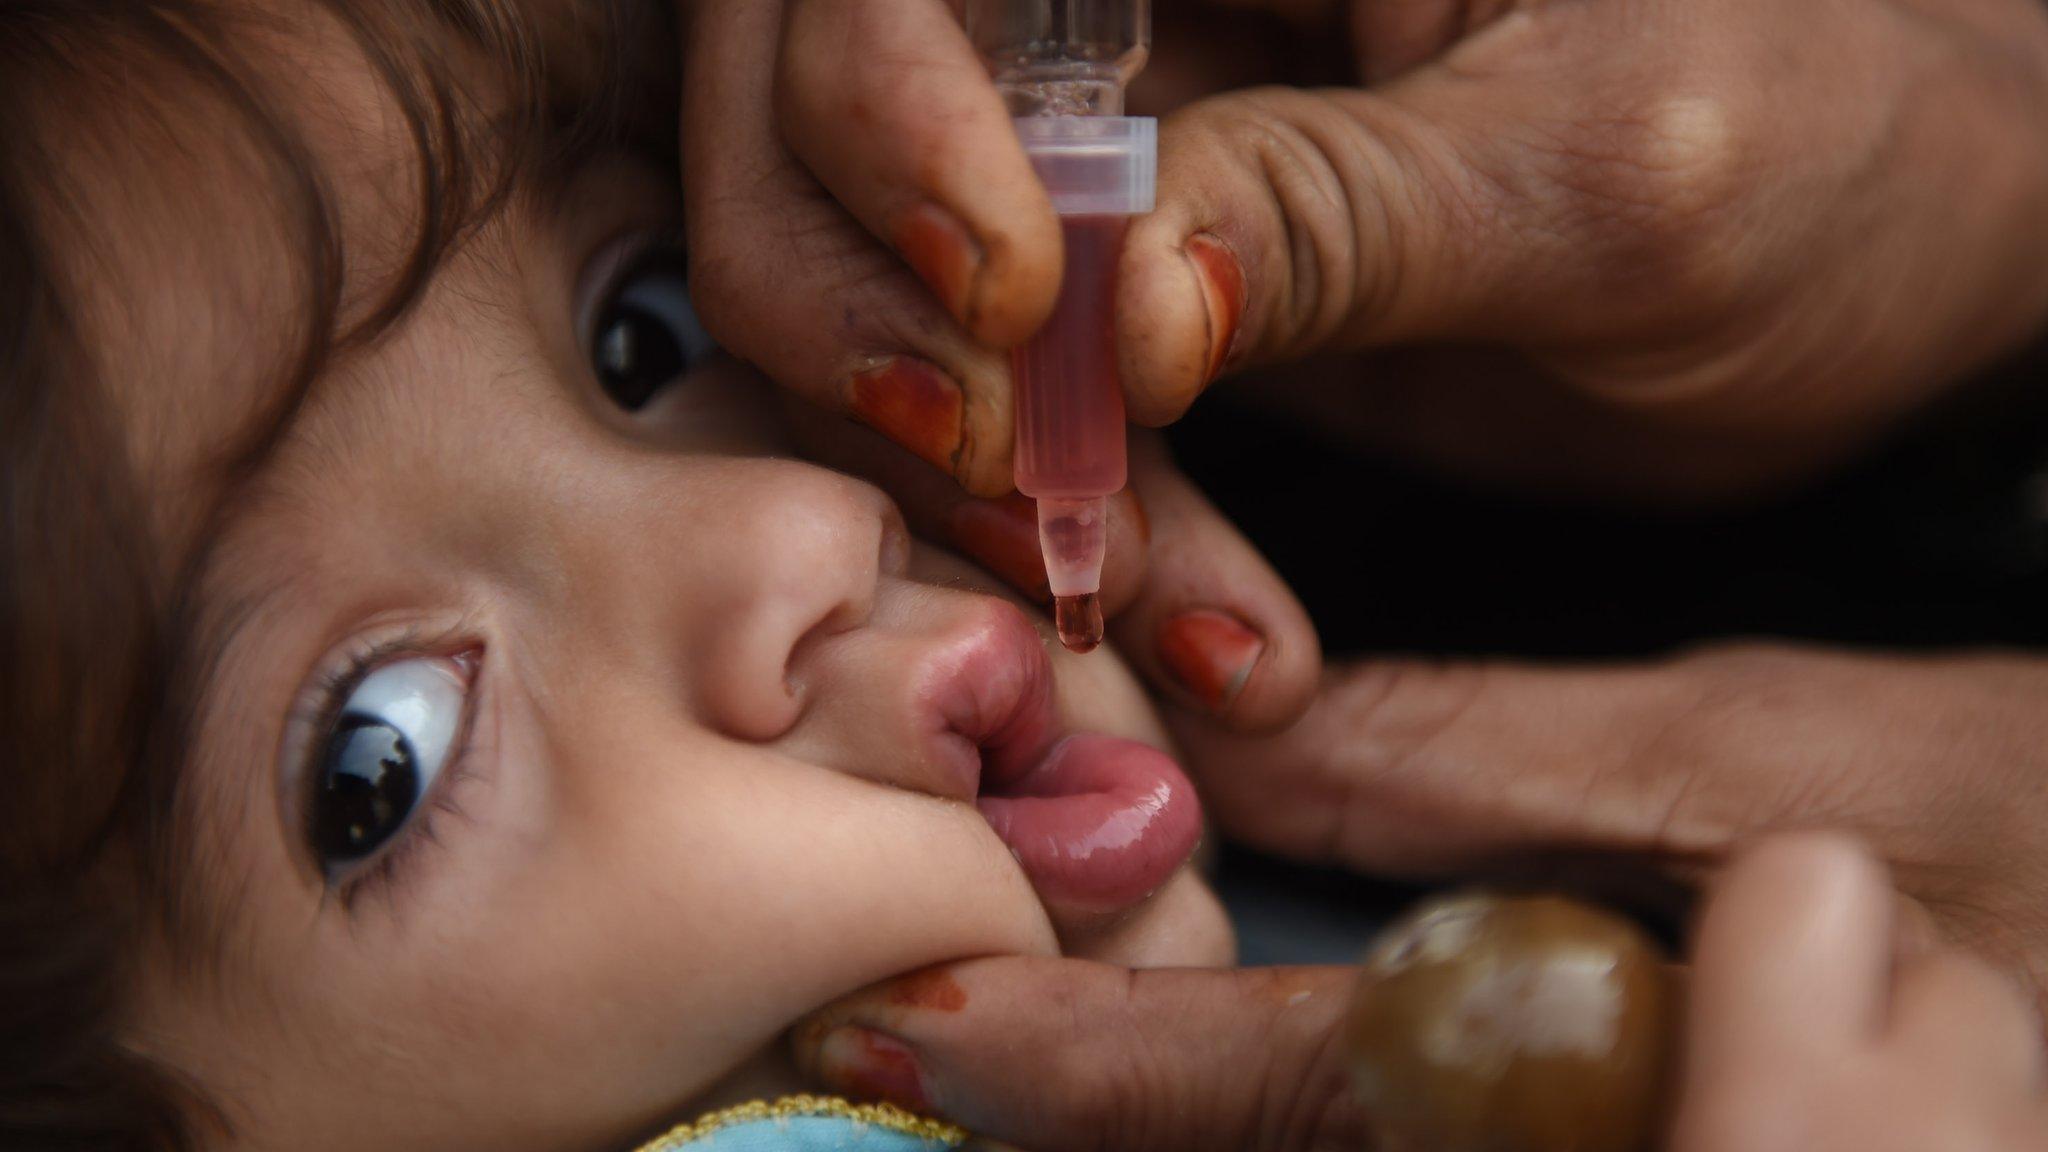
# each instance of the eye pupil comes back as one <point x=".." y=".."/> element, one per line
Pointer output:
<point x="369" y="782"/>
<point x="636" y="355"/>
<point x="647" y="333"/>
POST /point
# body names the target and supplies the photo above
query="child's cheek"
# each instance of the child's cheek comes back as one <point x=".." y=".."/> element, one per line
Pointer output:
<point x="1183" y="925"/>
<point x="724" y="407"/>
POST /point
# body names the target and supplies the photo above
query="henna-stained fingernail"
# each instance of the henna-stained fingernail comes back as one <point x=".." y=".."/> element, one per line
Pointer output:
<point x="1223" y="289"/>
<point x="915" y="403"/>
<point x="1211" y="654"/>
<point x="1002" y="534"/>
<point x="868" y="1065"/>
<point x="942" y="252"/>
<point x="933" y="989"/>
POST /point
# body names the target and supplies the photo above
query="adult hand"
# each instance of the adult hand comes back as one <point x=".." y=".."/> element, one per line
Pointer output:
<point x="1737" y="224"/>
<point x="1434" y="768"/>
<point x="1691" y="226"/>
<point x="1814" y="1023"/>
<point x="1739" y="260"/>
<point x="864" y="226"/>
<point x="1814" y="1029"/>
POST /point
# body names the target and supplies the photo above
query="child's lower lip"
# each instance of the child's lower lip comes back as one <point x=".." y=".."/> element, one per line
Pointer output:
<point x="1098" y="823"/>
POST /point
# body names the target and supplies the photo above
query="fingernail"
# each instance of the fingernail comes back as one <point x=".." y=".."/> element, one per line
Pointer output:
<point x="1211" y="654"/>
<point x="942" y="251"/>
<point x="1222" y="280"/>
<point x="1003" y="535"/>
<point x="870" y="1066"/>
<point x="916" y="404"/>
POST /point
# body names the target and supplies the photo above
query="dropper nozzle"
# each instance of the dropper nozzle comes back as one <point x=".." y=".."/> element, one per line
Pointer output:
<point x="1071" y="534"/>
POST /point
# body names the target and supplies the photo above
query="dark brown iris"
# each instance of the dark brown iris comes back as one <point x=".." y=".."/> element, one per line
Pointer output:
<point x="369" y="781"/>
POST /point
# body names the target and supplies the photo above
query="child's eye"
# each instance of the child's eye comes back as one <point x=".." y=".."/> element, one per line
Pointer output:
<point x="645" y="334"/>
<point x="394" y="734"/>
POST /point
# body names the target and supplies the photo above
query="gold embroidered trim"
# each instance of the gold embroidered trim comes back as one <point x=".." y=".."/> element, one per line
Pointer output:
<point x="790" y="1107"/>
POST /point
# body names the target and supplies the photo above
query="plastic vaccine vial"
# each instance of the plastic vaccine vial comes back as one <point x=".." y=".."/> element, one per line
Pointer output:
<point x="1062" y="66"/>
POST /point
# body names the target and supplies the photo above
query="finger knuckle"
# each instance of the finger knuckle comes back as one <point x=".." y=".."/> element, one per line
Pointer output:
<point x="1133" y="1097"/>
<point x="1401" y="714"/>
<point x="1718" y="696"/>
<point x="1402" y="708"/>
<point x="1658" y="187"/>
<point x="1308" y="163"/>
<point x="1109" y="1082"/>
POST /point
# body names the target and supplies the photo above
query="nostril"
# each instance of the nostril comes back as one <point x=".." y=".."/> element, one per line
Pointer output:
<point x="844" y="617"/>
<point x="803" y="564"/>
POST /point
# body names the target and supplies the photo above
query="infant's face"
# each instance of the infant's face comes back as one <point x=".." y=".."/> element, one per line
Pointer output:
<point x="556" y="757"/>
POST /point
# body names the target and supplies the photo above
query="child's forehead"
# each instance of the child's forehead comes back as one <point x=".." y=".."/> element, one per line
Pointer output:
<point x="200" y="221"/>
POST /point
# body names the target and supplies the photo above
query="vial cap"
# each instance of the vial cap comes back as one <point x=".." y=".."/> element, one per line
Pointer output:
<point x="1095" y="165"/>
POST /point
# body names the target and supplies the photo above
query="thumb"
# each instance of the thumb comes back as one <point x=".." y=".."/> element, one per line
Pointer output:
<point x="1486" y="201"/>
<point x="1073" y="1056"/>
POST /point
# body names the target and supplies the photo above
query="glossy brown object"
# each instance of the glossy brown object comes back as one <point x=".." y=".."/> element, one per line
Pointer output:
<point x="1491" y="1024"/>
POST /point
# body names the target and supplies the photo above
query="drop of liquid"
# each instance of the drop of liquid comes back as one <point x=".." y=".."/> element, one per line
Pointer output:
<point x="1079" y="619"/>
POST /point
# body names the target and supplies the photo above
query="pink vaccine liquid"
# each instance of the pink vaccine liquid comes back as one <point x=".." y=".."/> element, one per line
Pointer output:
<point x="1070" y="423"/>
<point x="1070" y="405"/>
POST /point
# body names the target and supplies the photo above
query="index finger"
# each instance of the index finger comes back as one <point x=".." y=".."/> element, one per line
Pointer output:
<point x="787" y="280"/>
<point x="889" y="106"/>
<point x="1056" y="1054"/>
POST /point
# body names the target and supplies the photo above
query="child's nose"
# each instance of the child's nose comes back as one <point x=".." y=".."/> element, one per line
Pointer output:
<point x="796" y="553"/>
<point x="708" y="576"/>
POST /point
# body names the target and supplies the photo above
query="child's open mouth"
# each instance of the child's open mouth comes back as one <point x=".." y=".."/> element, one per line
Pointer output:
<point x="1097" y="822"/>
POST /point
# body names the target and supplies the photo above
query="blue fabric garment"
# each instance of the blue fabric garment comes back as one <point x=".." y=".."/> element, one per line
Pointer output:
<point x="811" y="1124"/>
<point x="810" y="1134"/>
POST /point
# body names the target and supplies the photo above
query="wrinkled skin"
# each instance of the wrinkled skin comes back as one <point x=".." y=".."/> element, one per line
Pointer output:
<point x="1816" y="1019"/>
<point x="1715" y="260"/>
<point x="1708" y="294"/>
<point x="1712" y="248"/>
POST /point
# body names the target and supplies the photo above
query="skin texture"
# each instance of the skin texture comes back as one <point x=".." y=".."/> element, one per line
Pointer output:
<point x="1813" y="1021"/>
<point x="690" y="804"/>
<point x="1712" y="249"/>
<point x="866" y="229"/>
<point x="1644" y="235"/>
<point x="1439" y="768"/>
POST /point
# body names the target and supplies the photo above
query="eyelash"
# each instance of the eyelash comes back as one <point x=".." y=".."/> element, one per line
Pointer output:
<point x="382" y="874"/>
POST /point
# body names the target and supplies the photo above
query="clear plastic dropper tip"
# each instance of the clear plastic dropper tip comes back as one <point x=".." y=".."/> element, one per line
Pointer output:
<point x="1071" y="534"/>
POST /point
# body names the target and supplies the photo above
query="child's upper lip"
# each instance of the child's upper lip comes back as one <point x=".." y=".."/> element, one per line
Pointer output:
<point x="990" y="695"/>
<point x="1098" y="823"/>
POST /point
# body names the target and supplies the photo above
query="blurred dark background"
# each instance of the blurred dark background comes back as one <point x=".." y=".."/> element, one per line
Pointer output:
<point x="1938" y="539"/>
